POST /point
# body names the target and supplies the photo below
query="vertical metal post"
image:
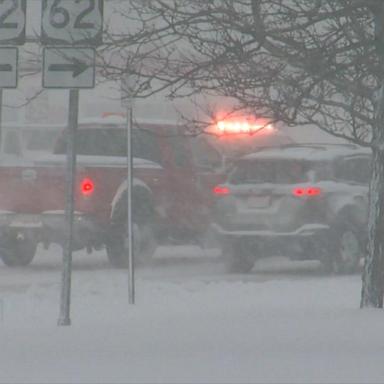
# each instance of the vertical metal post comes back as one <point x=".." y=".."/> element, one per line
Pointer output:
<point x="131" y="264"/>
<point x="65" y="299"/>
<point x="1" y="118"/>
<point x="1" y="310"/>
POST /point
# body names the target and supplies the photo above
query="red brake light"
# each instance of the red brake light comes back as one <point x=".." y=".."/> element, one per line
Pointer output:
<point x="87" y="187"/>
<point x="220" y="190"/>
<point x="299" y="192"/>
<point x="313" y="191"/>
<point x="309" y="191"/>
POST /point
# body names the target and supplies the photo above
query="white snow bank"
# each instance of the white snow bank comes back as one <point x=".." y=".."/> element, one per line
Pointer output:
<point x="226" y="329"/>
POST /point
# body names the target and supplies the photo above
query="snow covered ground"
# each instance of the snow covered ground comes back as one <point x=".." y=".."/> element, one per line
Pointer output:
<point x="286" y="322"/>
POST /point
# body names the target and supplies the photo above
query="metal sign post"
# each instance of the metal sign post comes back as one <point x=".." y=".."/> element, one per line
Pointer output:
<point x="131" y="264"/>
<point x="1" y="119"/>
<point x="127" y="101"/>
<point x="70" y="23"/>
<point x="65" y="299"/>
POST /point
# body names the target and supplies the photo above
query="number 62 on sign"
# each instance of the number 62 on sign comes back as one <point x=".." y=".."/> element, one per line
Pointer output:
<point x="72" y="22"/>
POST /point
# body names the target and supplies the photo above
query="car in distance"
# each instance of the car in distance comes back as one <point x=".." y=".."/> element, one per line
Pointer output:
<point x="304" y="201"/>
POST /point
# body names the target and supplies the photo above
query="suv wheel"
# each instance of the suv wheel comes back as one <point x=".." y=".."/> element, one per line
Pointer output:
<point x="345" y="252"/>
<point x="348" y="252"/>
<point x="239" y="256"/>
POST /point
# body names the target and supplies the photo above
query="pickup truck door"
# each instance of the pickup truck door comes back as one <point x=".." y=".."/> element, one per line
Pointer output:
<point x="188" y="197"/>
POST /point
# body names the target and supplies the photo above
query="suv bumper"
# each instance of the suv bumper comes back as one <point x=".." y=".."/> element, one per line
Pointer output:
<point x="306" y="230"/>
<point x="305" y="243"/>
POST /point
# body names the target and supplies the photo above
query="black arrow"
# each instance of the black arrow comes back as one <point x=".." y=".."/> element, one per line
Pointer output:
<point x="6" y="68"/>
<point x="77" y="67"/>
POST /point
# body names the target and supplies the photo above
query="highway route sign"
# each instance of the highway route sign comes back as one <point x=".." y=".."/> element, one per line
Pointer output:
<point x="68" y="68"/>
<point x="72" y="22"/>
<point x="8" y="67"/>
<point x="12" y="22"/>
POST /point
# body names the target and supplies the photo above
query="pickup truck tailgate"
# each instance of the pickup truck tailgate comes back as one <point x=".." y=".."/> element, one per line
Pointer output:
<point x="31" y="188"/>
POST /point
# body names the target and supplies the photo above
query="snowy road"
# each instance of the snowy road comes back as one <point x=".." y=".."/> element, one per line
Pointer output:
<point x="285" y="322"/>
<point x="177" y="264"/>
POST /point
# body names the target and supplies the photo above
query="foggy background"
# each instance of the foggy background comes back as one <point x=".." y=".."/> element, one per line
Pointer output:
<point x="50" y="107"/>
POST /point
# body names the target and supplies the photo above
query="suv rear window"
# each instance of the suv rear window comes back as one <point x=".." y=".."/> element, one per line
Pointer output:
<point x="269" y="171"/>
<point x="356" y="170"/>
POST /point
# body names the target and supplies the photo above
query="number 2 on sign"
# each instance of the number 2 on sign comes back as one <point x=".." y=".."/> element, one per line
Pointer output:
<point x="12" y="7"/>
<point x="59" y="16"/>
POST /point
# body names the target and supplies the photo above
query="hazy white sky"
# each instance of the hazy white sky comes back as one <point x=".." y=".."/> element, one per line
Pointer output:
<point x="105" y="98"/>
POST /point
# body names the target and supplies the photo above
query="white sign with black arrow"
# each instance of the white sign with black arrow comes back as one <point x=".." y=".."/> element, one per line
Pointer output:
<point x="69" y="68"/>
<point x="8" y="67"/>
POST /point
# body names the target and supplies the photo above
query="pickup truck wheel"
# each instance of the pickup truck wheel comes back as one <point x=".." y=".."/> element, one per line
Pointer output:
<point x="144" y="245"/>
<point x="239" y="256"/>
<point x="17" y="251"/>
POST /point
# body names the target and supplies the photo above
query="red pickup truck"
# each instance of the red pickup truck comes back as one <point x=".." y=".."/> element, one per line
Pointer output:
<point x="171" y="194"/>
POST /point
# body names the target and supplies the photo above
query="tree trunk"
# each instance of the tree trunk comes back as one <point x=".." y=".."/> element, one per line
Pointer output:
<point x="373" y="274"/>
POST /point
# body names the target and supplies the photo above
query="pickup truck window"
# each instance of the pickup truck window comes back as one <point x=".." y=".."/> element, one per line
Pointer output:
<point x="40" y="140"/>
<point x="113" y="142"/>
<point x="11" y="145"/>
<point x="144" y="145"/>
<point x="178" y="144"/>
<point x="205" y="155"/>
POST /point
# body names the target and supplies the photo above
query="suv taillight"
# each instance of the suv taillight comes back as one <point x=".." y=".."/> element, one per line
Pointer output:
<point x="306" y="191"/>
<point x="87" y="186"/>
<point x="220" y="190"/>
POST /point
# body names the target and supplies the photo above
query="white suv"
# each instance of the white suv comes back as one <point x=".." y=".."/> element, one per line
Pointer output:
<point x="302" y="201"/>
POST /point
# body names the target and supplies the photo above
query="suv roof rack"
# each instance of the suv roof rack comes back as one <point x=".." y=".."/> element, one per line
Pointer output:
<point x="321" y="146"/>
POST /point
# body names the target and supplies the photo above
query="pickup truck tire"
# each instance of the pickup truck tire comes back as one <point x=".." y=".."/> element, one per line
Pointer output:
<point x="239" y="256"/>
<point x="17" y="251"/>
<point x="144" y="239"/>
<point x="144" y="245"/>
<point x="345" y="249"/>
